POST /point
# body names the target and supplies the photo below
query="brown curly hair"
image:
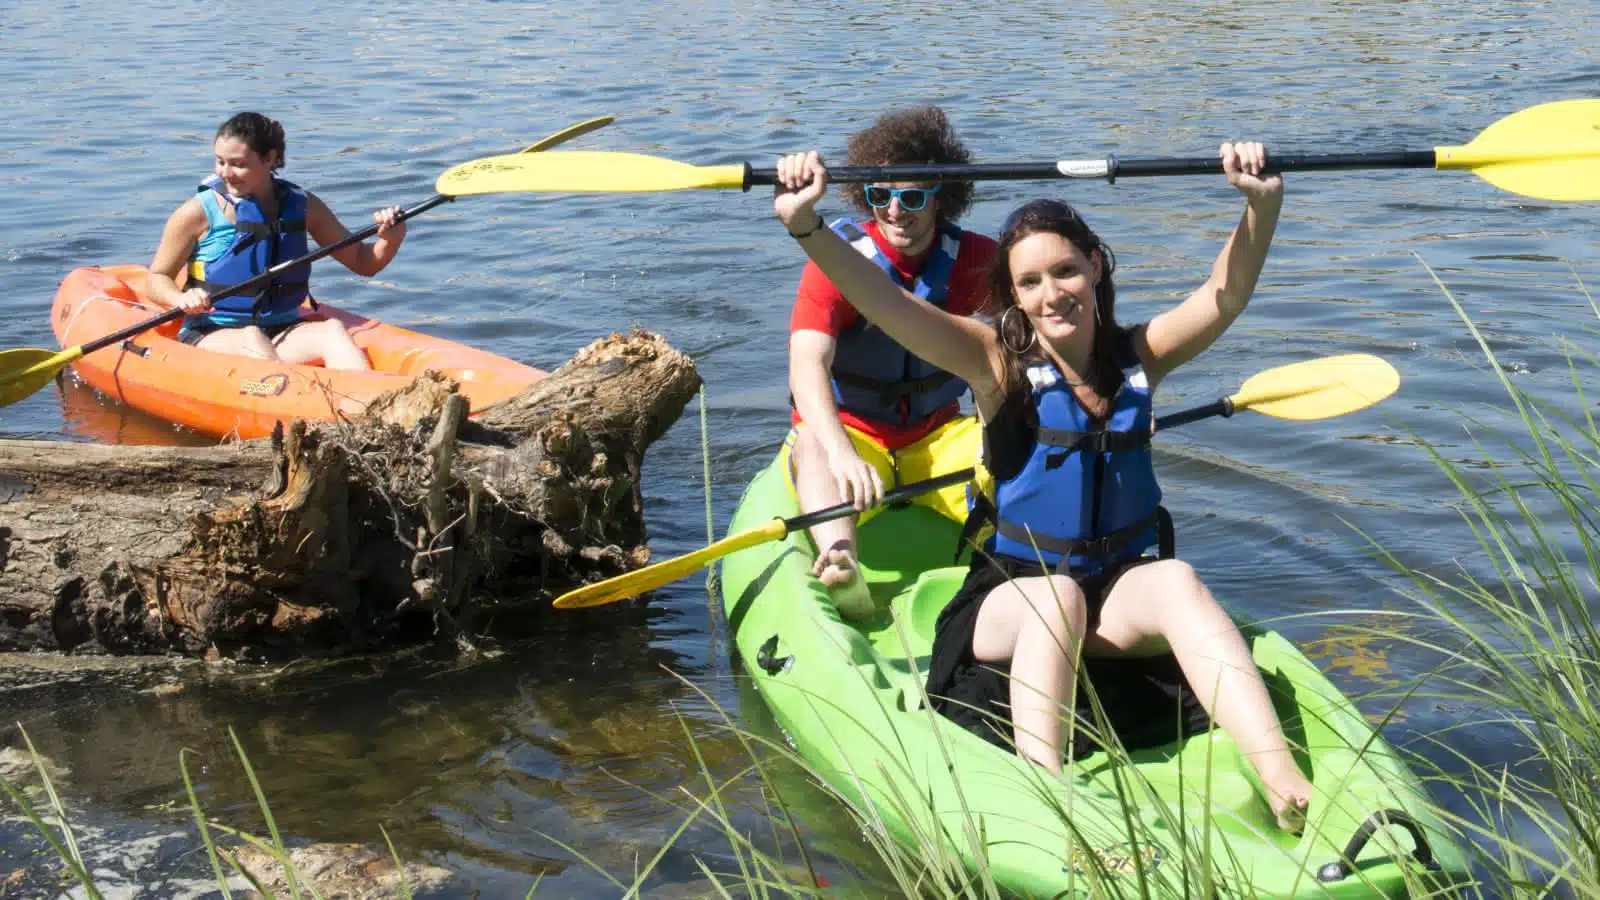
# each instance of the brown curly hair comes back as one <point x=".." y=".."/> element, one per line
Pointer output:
<point x="910" y="135"/>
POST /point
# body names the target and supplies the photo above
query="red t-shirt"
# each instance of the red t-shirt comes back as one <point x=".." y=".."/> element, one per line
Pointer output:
<point x="819" y="306"/>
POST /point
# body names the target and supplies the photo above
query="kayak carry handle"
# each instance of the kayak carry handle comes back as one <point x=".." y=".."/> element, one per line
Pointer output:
<point x="1341" y="868"/>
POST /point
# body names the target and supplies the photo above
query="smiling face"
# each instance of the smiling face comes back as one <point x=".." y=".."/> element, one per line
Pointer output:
<point x="244" y="171"/>
<point x="909" y="231"/>
<point x="1054" y="283"/>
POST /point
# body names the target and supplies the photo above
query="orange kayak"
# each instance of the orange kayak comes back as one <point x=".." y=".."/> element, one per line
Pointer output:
<point x="224" y="395"/>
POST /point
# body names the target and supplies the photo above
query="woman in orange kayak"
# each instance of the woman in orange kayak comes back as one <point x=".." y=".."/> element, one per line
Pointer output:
<point x="242" y="221"/>
<point x="1070" y="503"/>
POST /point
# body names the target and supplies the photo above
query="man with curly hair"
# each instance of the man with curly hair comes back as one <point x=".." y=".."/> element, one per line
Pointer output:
<point x="866" y="411"/>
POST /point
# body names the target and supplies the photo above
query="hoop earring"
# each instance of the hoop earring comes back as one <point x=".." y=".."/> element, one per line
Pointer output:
<point x="1033" y="336"/>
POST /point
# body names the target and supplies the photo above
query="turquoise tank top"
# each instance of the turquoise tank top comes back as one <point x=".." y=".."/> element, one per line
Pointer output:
<point x="219" y="235"/>
<point x="213" y="245"/>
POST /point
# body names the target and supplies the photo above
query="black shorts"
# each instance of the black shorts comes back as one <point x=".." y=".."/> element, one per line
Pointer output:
<point x="193" y="330"/>
<point x="1146" y="701"/>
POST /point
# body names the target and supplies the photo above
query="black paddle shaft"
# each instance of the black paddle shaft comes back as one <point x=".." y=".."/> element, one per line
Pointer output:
<point x="245" y="286"/>
<point x="1109" y="168"/>
<point x="1223" y="408"/>
<point x="904" y="492"/>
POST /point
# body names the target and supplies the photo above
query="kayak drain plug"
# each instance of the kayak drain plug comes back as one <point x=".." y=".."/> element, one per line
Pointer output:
<point x="1339" y="869"/>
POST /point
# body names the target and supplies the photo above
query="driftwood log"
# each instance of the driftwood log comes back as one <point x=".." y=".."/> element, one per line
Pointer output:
<point x="410" y="524"/>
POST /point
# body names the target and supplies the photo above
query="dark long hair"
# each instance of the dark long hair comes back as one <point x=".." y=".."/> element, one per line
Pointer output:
<point x="261" y="134"/>
<point x="1052" y="217"/>
<point x="911" y="135"/>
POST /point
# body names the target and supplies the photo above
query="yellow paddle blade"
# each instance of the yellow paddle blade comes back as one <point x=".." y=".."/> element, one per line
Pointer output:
<point x="1319" y="388"/>
<point x="1550" y="151"/>
<point x="576" y="171"/>
<point x="651" y="577"/>
<point x="25" y="371"/>
<point x="567" y="134"/>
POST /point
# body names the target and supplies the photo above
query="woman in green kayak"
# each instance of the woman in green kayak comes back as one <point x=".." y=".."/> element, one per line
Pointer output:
<point x="1070" y="503"/>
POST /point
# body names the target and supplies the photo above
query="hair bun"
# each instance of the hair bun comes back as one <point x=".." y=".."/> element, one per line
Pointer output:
<point x="261" y="134"/>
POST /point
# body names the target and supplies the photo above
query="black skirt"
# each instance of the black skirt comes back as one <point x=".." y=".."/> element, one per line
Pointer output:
<point x="1146" y="700"/>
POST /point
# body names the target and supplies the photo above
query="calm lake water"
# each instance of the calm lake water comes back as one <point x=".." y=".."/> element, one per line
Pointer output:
<point x="580" y="737"/>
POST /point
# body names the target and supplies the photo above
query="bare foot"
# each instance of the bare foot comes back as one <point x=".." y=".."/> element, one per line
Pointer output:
<point x="1289" y="795"/>
<point x="836" y="569"/>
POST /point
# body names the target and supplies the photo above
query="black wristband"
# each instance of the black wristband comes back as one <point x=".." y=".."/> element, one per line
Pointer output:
<point x="805" y="234"/>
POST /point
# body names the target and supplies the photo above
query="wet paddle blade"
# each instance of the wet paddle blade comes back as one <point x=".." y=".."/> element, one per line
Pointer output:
<point x="1319" y="388"/>
<point x="578" y="171"/>
<point x="23" y="372"/>
<point x="651" y="577"/>
<point x="567" y="134"/>
<point x="1550" y="151"/>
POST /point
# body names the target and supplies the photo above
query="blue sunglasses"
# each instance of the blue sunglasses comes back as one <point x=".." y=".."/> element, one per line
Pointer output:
<point x="911" y="199"/>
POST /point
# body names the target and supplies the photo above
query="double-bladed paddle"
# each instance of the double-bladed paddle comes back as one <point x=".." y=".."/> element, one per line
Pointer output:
<point x="1550" y="151"/>
<point x="1316" y="389"/>
<point x="26" y="370"/>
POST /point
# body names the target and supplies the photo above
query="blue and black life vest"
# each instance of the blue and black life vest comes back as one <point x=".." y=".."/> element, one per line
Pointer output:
<point x="1087" y="497"/>
<point x="257" y="244"/>
<point x="873" y="375"/>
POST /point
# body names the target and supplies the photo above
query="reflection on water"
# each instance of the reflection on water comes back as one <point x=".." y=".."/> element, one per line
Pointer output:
<point x="87" y="415"/>
<point x="477" y="759"/>
<point x="578" y="736"/>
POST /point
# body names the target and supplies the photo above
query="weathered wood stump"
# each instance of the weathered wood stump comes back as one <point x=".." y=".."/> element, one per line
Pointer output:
<point x="410" y="524"/>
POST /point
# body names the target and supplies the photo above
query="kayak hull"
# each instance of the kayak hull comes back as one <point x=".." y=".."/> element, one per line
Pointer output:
<point x="850" y="699"/>
<point x="225" y="395"/>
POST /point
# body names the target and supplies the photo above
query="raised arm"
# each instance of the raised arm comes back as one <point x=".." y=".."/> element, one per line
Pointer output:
<point x="1178" y="335"/>
<point x="953" y="343"/>
<point x="363" y="259"/>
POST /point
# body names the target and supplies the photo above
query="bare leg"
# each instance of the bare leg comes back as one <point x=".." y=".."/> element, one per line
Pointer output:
<point x="246" y="341"/>
<point x="326" y="340"/>
<point x="1165" y="603"/>
<point x="835" y="540"/>
<point x="1035" y="624"/>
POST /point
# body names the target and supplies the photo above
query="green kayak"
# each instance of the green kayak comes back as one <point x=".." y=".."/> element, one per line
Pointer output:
<point x="850" y="699"/>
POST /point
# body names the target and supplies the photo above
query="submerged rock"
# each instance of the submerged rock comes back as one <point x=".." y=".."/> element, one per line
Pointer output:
<point x="341" y="872"/>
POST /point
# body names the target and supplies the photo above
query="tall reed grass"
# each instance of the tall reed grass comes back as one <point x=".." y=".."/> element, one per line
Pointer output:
<point x="1517" y="628"/>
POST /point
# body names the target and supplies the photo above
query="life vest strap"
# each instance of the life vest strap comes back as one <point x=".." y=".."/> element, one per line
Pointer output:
<point x="270" y="292"/>
<point x="926" y="385"/>
<point x="277" y="226"/>
<point x="1094" y="441"/>
<point x="983" y="513"/>
<point x="1166" y="544"/>
<point x="1066" y="548"/>
<point x="1070" y="442"/>
<point x="266" y="295"/>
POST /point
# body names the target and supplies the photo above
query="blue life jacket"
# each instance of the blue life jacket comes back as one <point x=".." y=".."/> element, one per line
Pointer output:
<point x="873" y="375"/>
<point x="1087" y="497"/>
<point x="257" y="244"/>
